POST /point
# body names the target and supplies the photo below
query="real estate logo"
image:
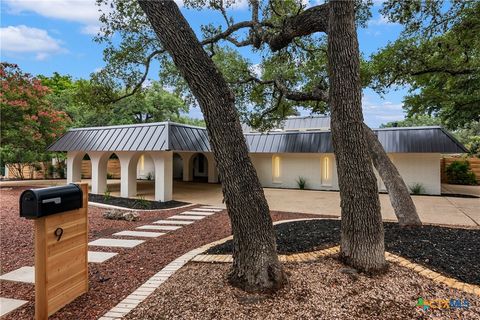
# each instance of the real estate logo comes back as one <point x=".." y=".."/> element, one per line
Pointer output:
<point x="442" y="304"/>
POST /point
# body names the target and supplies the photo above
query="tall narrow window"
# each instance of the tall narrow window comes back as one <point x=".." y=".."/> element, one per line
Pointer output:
<point x="142" y="162"/>
<point x="276" y="168"/>
<point x="326" y="171"/>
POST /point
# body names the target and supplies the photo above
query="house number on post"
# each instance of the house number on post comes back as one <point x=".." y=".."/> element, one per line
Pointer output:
<point x="58" y="233"/>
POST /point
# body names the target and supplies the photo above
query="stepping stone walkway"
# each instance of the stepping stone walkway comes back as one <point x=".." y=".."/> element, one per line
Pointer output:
<point x="185" y="217"/>
<point x="7" y="305"/>
<point x="118" y="243"/>
<point x="23" y="274"/>
<point x="162" y="228"/>
<point x="99" y="257"/>
<point x="207" y="209"/>
<point x="198" y="213"/>
<point x="144" y="234"/>
<point x="173" y="222"/>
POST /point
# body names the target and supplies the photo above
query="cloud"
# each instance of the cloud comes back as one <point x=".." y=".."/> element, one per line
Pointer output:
<point x="23" y="39"/>
<point x="377" y="111"/>
<point x="85" y="12"/>
<point x="382" y="21"/>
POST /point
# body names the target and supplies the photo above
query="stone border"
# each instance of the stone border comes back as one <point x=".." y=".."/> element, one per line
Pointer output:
<point x="111" y="206"/>
<point x="314" y="255"/>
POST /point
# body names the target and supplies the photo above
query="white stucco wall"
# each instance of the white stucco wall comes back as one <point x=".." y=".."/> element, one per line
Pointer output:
<point x="421" y="168"/>
<point x="146" y="168"/>
<point x="293" y="166"/>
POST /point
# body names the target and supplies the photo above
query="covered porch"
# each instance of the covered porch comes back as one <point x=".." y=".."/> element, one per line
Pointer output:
<point x="149" y="175"/>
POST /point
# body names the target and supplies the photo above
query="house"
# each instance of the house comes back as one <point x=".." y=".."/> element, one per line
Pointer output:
<point x="302" y="147"/>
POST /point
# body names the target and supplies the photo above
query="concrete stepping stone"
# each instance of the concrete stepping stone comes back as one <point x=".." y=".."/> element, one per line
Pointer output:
<point x="173" y="222"/>
<point x="99" y="257"/>
<point x="144" y="234"/>
<point x="185" y="217"/>
<point x="207" y="209"/>
<point x="23" y="274"/>
<point x="198" y="213"/>
<point x="162" y="228"/>
<point x="7" y="305"/>
<point x="117" y="243"/>
<point x="213" y="207"/>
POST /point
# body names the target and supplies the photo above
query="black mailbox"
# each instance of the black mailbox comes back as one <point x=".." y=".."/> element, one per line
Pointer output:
<point x="36" y="203"/>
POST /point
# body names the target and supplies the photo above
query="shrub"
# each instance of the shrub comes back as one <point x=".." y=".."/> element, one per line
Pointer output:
<point x="110" y="175"/>
<point x="302" y="183"/>
<point x="141" y="203"/>
<point x="458" y="172"/>
<point x="417" y="188"/>
<point x="149" y="176"/>
<point x="107" y="195"/>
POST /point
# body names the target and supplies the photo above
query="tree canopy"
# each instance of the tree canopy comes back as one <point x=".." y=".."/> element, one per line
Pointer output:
<point x="29" y="121"/>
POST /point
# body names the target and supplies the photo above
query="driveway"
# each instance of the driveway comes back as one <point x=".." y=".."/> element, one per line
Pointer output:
<point x="432" y="209"/>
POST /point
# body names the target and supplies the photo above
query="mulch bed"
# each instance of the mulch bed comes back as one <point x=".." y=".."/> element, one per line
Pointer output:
<point x="113" y="280"/>
<point x="139" y="204"/>
<point x="320" y="290"/>
<point x="451" y="251"/>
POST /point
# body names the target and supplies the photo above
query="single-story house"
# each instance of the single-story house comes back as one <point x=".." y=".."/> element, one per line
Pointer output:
<point x="301" y="148"/>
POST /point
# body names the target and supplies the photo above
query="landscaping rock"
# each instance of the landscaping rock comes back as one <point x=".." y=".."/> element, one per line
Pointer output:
<point x="116" y="214"/>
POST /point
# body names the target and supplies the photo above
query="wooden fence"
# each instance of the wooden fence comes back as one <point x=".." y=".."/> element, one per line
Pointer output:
<point x="474" y="166"/>
<point x="29" y="172"/>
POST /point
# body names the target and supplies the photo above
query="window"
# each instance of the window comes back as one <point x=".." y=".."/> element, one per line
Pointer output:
<point x="276" y="173"/>
<point x="142" y="162"/>
<point x="326" y="170"/>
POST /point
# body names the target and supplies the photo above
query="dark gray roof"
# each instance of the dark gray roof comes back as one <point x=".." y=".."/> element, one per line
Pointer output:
<point x="179" y="137"/>
<point x="159" y="136"/>
<point x="412" y="140"/>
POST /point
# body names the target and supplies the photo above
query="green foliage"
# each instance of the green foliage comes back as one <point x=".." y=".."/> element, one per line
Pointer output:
<point x="416" y="121"/>
<point x="29" y="121"/>
<point x="459" y="172"/>
<point x="110" y="175"/>
<point x="149" y="176"/>
<point x="417" y="188"/>
<point x="107" y="194"/>
<point x="302" y="183"/>
<point x="438" y="62"/>
<point x="141" y="203"/>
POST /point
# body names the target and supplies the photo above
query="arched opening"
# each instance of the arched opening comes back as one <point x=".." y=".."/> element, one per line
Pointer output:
<point x="113" y="175"/>
<point x="199" y="165"/>
<point x="177" y="167"/>
<point x="145" y="175"/>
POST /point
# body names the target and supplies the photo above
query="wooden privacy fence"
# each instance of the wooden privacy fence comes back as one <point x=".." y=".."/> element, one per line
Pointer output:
<point x="30" y="172"/>
<point x="474" y="166"/>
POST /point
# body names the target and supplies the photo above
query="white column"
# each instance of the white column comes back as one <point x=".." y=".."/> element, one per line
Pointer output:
<point x="99" y="171"/>
<point x="74" y="166"/>
<point x="212" y="168"/>
<point x="128" y="173"/>
<point x="163" y="175"/>
<point x="187" y="166"/>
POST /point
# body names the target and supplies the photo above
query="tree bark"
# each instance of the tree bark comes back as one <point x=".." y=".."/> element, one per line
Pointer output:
<point x="400" y="198"/>
<point x="362" y="237"/>
<point x="256" y="266"/>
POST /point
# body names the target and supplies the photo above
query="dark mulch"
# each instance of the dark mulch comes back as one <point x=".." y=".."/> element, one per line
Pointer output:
<point x="451" y="251"/>
<point x="140" y="204"/>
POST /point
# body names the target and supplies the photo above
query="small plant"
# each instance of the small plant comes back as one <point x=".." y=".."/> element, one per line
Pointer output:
<point x="107" y="195"/>
<point x="302" y="183"/>
<point x="110" y="175"/>
<point x="150" y="176"/>
<point x="141" y="203"/>
<point x="417" y="188"/>
<point x="458" y="172"/>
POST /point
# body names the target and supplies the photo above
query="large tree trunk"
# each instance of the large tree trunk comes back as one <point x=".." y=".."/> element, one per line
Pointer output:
<point x="256" y="266"/>
<point x="400" y="198"/>
<point x="362" y="238"/>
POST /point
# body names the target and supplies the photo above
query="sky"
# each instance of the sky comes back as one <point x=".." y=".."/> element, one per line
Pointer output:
<point x="46" y="36"/>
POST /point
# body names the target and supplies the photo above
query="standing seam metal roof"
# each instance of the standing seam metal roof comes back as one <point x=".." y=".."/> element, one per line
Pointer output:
<point x="165" y="136"/>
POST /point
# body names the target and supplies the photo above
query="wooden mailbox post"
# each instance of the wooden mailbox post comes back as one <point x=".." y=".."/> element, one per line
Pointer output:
<point x="61" y="258"/>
